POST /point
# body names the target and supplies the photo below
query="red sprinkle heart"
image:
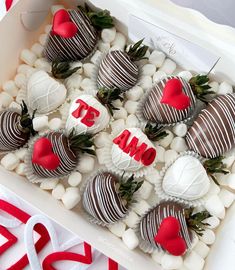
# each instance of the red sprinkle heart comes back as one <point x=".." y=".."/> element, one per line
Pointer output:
<point x="62" y="25"/>
<point x="43" y="154"/>
<point x="168" y="236"/>
<point x="173" y="95"/>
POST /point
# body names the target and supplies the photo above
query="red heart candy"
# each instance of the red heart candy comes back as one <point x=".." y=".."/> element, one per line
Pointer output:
<point x="43" y="154"/>
<point x="62" y="25"/>
<point x="168" y="236"/>
<point x="173" y="95"/>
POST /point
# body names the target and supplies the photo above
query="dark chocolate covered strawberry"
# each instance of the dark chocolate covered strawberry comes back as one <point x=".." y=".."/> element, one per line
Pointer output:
<point x="56" y="155"/>
<point x="107" y="199"/>
<point x="15" y="129"/>
<point x="213" y="131"/>
<point x="118" y="68"/>
<point x="74" y="33"/>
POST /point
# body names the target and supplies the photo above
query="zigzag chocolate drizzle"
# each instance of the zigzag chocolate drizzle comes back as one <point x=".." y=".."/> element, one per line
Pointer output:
<point x="11" y="136"/>
<point x="102" y="201"/>
<point x="157" y="112"/>
<point x="77" y="47"/>
<point x="150" y="223"/>
<point x="117" y="70"/>
<point x="213" y="132"/>
<point x="68" y="158"/>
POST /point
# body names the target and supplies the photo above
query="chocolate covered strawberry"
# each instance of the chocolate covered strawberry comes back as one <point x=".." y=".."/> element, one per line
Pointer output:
<point x="106" y="198"/>
<point x="213" y="132"/>
<point x="119" y="69"/>
<point x="74" y="33"/>
<point x="56" y="155"/>
<point x="15" y="128"/>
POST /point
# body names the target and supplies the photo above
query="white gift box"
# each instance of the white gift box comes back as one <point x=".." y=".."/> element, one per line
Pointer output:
<point x="22" y="26"/>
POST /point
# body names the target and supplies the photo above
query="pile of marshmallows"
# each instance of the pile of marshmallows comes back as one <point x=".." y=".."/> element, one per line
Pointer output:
<point x="68" y="190"/>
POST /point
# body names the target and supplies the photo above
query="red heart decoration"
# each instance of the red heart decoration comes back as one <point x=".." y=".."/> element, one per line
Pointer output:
<point x="24" y="217"/>
<point x="43" y="154"/>
<point x="168" y="236"/>
<point x="173" y="95"/>
<point x="8" y="4"/>
<point x="68" y="256"/>
<point x="62" y="25"/>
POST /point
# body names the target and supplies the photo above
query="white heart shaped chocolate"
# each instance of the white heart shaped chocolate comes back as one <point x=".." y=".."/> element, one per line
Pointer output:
<point x="87" y="115"/>
<point x="44" y="93"/>
<point x="186" y="178"/>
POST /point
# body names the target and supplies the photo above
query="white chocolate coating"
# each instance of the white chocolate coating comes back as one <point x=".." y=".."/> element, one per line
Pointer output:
<point x="186" y="179"/>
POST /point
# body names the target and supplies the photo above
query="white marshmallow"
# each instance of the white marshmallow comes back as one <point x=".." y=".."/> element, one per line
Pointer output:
<point x="157" y="58"/>
<point x="100" y="156"/>
<point x="230" y="179"/>
<point x="178" y="144"/>
<point x="157" y="256"/>
<point x="131" y="220"/>
<point x="71" y="197"/>
<point x="119" y="40"/>
<point x="48" y="28"/>
<point x="20" y="169"/>
<point x="208" y="237"/>
<point x="75" y="65"/>
<point x="212" y="221"/>
<point x="88" y="69"/>
<point x="153" y="199"/>
<point x="121" y="113"/>
<point x="75" y="179"/>
<point x="170" y="155"/>
<point x="49" y="184"/>
<point x="101" y="139"/>
<point x="41" y="63"/>
<point x="20" y="95"/>
<point x="55" y="123"/>
<point x="160" y="153"/>
<point x="131" y="106"/>
<point x="148" y="69"/>
<point x="152" y="176"/>
<point x="226" y="197"/>
<point x="170" y="262"/>
<point x="117" y="103"/>
<point x="108" y="34"/>
<point x="20" y="80"/>
<point x="10" y="88"/>
<point x="43" y="39"/>
<point x="225" y="88"/>
<point x="37" y="49"/>
<point x="141" y="207"/>
<point x="40" y="123"/>
<point x="214" y="189"/>
<point x="86" y="164"/>
<point x="28" y="57"/>
<point x="55" y="8"/>
<point x="5" y="99"/>
<point x="15" y="105"/>
<point x="87" y="84"/>
<point x="23" y="68"/>
<point x="159" y="75"/>
<point x="21" y="153"/>
<point x="180" y="129"/>
<point x="118" y="228"/>
<point x="187" y="75"/>
<point x="135" y="93"/>
<point x="132" y="121"/>
<point x="215" y="207"/>
<point x="117" y="126"/>
<point x="168" y="66"/>
<point x="146" y="82"/>
<point x="73" y="82"/>
<point x="166" y="141"/>
<point x="145" y="190"/>
<point x="228" y="161"/>
<point x="95" y="57"/>
<point x="202" y="249"/>
<point x="130" y="239"/>
<point x="103" y="47"/>
<point x="214" y="86"/>
<point x="58" y="191"/>
<point x="193" y="261"/>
